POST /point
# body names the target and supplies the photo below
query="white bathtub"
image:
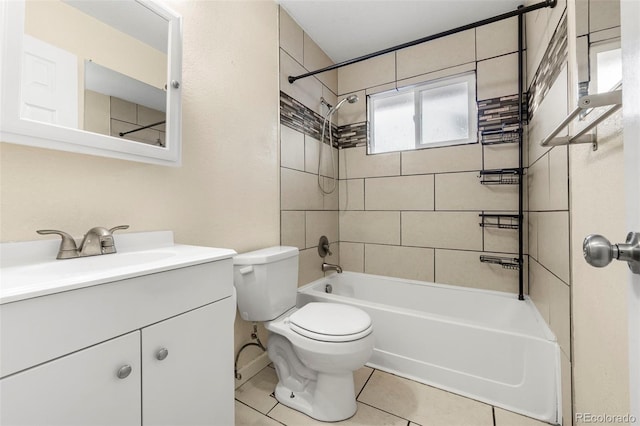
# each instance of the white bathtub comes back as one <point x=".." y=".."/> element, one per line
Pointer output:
<point x="485" y="345"/>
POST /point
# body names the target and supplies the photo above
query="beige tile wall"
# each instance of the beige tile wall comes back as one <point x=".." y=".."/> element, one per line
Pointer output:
<point x="548" y="201"/>
<point x="415" y="214"/>
<point x="305" y="212"/>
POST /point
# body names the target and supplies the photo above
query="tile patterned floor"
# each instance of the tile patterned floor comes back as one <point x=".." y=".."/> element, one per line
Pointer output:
<point x="383" y="399"/>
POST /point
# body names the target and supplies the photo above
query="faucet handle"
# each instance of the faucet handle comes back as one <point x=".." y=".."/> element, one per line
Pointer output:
<point x="68" y="248"/>
<point x="117" y="228"/>
<point x="107" y="245"/>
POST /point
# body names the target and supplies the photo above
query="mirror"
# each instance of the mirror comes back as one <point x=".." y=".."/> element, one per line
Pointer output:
<point x="92" y="76"/>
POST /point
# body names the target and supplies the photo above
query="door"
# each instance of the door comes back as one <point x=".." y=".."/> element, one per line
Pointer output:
<point x="630" y="16"/>
<point x="49" y="84"/>
<point x="90" y="387"/>
<point x="187" y="368"/>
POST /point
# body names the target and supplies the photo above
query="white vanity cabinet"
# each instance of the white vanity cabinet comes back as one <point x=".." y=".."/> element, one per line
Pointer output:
<point x="78" y="389"/>
<point x="186" y="377"/>
<point x="154" y="348"/>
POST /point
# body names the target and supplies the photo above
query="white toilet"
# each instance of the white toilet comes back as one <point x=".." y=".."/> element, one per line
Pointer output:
<point x="315" y="348"/>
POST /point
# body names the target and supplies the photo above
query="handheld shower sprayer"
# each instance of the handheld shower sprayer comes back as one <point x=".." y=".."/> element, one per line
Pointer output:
<point x="352" y="99"/>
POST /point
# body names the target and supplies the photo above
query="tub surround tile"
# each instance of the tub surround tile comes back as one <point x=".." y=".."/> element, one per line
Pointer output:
<point x="501" y="240"/>
<point x="370" y="227"/>
<point x="435" y="55"/>
<point x="550" y="112"/>
<point x="498" y="76"/>
<point x="603" y="14"/>
<point x="355" y="163"/>
<point x="399" y="193"/>
<point x="502" y="156"/>
<point x="292" y="148"/>
<point x="310" y="266"/>
<point x="291" y="36"/>
<point x="500" y="113"/>
<point x="443" y="73"/>
<point x="475" y="274"/>
<point x="352" y="194"/>
<point x="315" y="59"/>
<point x="306" y="91"/>
<point x="497" y="39"/>
<point x="454" y="230"/>
<point x="373" y="72"/>
<point x="299" y="191"/>
<point x="330" y="201"/>
<point x="320" y="223"/>
<point x="553" y="242"/>
<point x="352" y="256"/>
<point x="257" y="391"/>
<point x="463" y="191"/>
<point x="411" y="263"/>
<point x="441" y="160"/>
<point x="423" y="404"/>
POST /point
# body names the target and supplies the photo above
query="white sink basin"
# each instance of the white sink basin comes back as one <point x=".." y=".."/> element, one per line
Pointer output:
<point x="30" y="269"/>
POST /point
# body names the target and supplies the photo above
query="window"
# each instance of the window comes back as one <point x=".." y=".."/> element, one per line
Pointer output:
<point x="437" y="113"/>
<point x="606" y="66"/>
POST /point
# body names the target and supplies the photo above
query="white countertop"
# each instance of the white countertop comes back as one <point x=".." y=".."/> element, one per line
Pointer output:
<point x="30" y="269"/>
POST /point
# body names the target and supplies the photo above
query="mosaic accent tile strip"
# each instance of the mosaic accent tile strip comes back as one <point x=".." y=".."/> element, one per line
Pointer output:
<point x="550" y="66"/>
<point x="352" y="135"/>
<point x="298" y="117"/>
<point x="499" y="115"/>
<point x="493" y="114"/>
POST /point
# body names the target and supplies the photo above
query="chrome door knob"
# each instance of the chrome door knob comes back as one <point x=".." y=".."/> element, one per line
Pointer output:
<point x="162" y="354"/>
<point x="124" y="371"/>
<point x="599" y="252"/>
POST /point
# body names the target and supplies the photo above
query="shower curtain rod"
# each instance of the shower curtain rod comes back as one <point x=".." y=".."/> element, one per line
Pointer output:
<point x="518" y="12"/>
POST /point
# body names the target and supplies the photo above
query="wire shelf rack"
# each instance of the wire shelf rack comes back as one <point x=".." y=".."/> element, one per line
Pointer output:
<point x="500" y="177"/>
<point x="506" y="262"/>
<point x="501" y="221"/>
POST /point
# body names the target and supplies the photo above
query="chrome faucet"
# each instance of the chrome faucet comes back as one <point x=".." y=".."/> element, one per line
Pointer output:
<point x="330" y="267"/>
<point x="96" y="241"/>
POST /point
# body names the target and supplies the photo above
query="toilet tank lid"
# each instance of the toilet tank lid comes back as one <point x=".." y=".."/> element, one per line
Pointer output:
<point x="265" y="255"/>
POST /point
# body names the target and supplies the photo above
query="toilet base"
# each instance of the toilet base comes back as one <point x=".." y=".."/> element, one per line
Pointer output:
<point x="330" y="398"/>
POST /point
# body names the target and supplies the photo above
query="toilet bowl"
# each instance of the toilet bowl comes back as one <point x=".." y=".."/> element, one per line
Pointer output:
<point x="314" y="348"/>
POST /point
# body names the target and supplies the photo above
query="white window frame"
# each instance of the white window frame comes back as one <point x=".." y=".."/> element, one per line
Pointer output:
<point x="469" y="78"/>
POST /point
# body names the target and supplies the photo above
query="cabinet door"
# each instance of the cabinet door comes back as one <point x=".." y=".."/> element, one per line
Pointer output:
<point x="82" y="388"/>
<point x="187" y="368"/>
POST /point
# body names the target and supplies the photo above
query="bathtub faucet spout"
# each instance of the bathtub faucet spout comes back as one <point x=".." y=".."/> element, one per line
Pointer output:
<point x="329" y="267"/>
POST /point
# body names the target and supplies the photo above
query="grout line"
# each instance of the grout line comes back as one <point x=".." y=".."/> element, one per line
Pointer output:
<point x="493" y="413"/>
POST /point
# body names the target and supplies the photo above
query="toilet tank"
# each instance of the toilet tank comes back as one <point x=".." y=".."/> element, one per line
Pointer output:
<point x="266" y="282"/>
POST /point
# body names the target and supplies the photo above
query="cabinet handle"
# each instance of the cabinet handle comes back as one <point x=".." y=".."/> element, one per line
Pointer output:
<point x="162" y="354"/>
<point x="124" y="371"/>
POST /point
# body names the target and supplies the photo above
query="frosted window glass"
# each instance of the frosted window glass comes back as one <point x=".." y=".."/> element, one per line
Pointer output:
<point x="393" y="126"/>
<point x="609" y="69"/>
<point x="445" y="113"/>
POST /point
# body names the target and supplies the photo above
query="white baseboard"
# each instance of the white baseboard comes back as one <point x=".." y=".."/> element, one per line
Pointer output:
<point x="252" y="368"/>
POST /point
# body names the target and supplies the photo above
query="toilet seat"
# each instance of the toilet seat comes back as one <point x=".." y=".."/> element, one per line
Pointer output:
<point x="330" y="322"/>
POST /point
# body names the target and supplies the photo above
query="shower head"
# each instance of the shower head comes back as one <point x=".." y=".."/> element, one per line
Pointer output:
<point x="351" y="99"/>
